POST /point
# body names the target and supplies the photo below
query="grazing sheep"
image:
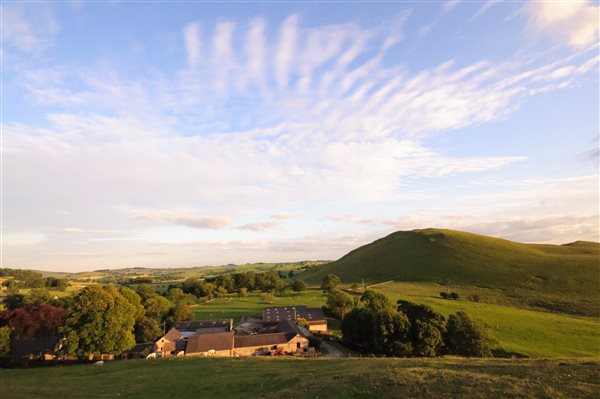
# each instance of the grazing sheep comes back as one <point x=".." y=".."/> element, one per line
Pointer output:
<point x="151" y="356"/>
<point x="99" y="363"/>
<point x="180" y="354"/>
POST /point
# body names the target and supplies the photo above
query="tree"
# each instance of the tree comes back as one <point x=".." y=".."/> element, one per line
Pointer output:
<point x="299" y="286"/>
<point x="243" y="293"/>
<point x="38" y="296"/>
<point x="176" y="295"/>
<point x="134" y="300"/>
<point x="145" y="291"/>
<point x="146" y="329"/>
<point x="157" y="306"/>
<point x="378" y="330"/>
<point x="330" y="282"/>
<point x="14" y="301"/>
<point x="4" y="344"/>
<point x="178" y="313"/>
<point x="59" y="284"/>
<point x="35" y="321"/>
<point x="100" y="320"/>
<point x="339" y="303"/>
<point x="468" y="337"/>
<point x="225" y="281"/>
<point x="376" y="300"/>
<point x="427" y="328"/>
<point x="272" y="282"/>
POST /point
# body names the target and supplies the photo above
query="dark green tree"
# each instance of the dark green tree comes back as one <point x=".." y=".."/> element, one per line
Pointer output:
<point x="427" y="328"/>
<point x="376" y="300"/>
<point x="468" y="337"/>
<point x="147" y="329"/>
<point x="179" y="312"/>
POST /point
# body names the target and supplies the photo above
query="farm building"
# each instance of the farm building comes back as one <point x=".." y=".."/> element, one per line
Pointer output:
<point x="314" y="316"/>
<point x="287" y="337"/>
<point x="177" y="338"/>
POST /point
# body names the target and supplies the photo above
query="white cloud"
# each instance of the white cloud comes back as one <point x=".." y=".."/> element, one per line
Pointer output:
<point x="286" y="49"/>
<point x="192" y="40"/>
<point x="261" y="226"/>
<point x="183" y="218"/>
<point x="28" y="27"/>
<point x="575" y="22"/>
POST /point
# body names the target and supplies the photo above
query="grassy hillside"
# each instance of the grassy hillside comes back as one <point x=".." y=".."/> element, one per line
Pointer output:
<point x="297" y="378"/>
<point x="556" y="277"/>
<point x="526" y="332"/>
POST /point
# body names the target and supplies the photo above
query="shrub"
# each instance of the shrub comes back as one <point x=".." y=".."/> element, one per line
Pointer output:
<point x="243" y="292"/>
<point x="299" y="285"/>
<point x="454" y="295"/>
<point x="267" y="297"/>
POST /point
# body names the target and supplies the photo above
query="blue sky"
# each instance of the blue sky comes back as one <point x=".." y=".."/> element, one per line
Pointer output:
<point x="186" y="134"/>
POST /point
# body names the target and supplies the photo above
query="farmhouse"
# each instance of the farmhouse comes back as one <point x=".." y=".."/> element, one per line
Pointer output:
<point x="314" y="316"/>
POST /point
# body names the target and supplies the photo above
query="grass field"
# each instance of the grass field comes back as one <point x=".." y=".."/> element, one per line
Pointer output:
<point x="309" y="378"/>
<point x="529" y="332"/>
<point x="234" y="307"/>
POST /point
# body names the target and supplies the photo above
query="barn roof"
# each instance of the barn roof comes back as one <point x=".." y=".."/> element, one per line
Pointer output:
<point x="200" y="324"/>
<point x="242" y="341"/>
<point x="205" y="342"/>
<point x="276" y="314"/>
<point x="173" y="335"/>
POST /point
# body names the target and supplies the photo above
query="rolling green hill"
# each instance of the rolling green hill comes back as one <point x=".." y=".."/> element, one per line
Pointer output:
<point x="561" y="278"/>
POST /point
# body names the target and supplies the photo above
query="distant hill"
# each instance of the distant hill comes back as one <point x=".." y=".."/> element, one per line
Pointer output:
<point x="557" y="277"/>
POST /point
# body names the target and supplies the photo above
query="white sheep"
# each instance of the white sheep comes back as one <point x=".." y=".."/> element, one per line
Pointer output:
<point x="151" y="356"/>
<point x="180" y="354"/>
<point x="99" y="363"/>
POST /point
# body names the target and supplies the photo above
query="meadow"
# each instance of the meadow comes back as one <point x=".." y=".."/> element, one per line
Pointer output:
<point x="234" y="307"/>
<point x="309" y="378"/>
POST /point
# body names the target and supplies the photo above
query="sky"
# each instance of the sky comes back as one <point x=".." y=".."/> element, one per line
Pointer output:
<point x="175" y="134"/>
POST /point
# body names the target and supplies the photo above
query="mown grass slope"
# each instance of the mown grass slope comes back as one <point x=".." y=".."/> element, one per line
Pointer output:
<point x="564" y="278"/>
<point x="304" y="378"/>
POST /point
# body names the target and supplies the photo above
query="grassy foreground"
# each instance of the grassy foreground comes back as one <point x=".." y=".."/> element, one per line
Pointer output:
<point x="303" y="378"/>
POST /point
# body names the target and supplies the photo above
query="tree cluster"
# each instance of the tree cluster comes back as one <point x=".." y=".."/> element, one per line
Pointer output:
<point x="409" y="329"/>
<point x="29" y="279"/>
